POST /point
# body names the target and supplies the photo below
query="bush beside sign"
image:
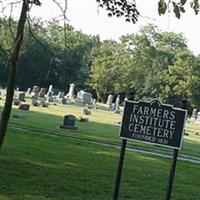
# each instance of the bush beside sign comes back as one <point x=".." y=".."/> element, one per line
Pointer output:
<point x="153" y="122"/>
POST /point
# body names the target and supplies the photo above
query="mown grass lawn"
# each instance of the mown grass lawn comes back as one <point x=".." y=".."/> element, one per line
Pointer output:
<point x="54" y="167"/>
<point x="42" y="167"/>
<point x="102" y="127"/>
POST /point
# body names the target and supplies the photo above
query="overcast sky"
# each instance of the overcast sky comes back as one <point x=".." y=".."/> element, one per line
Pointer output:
<point x="85" y="15"/>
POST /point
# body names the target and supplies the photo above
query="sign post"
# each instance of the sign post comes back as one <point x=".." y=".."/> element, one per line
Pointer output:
<point x="173" y="167"/>
<point x="155" y="123"/>
<point x="171" y="175"/>
<point x="119" y="170"/>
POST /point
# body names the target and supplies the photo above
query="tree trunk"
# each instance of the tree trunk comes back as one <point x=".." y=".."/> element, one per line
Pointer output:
<point x="12" y="65"/>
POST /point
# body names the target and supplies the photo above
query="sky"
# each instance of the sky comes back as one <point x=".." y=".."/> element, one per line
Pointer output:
<point x="85" y="15"/>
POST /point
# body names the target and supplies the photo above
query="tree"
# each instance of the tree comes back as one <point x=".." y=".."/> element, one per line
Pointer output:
<point x="75" y="57"/>
<point x="12" y="66"/>
<point x="181" y="80"/>
<point x="3" y="62"/>
<point x="144" y="63"/>
<point x="102" y="70"/>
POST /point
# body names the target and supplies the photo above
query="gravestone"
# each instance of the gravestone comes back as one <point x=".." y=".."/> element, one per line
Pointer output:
<point x="83" y="97"/>
<point x="24" y="106"/>
<point x="42" y="92"/>
<point x="116" y="109"/>
<point x="117" y="102"/>
<point x="61" y="98"/>
<point x="35" y="102"/>
<point x="109" y="101"/>
<point x="197" y="121"/>
<point x="94" y="103"/>
<point x="34" y="93"/>
<point x="21" y="96"/>
<point x="50" y="88"/>
<point x="49" y="95"/>
<point x="35" y="89"/>
<point x="64" y="100"/>
<point x="50" y="91"/>
<point x="34" y="97"/>
<point x="86" y="111"/>
<point x="69" y="122"/>
<point x="50" y="98"/>
<point x="61" y="95"/>
<point x="194" y="114"/>
<point x="44" y="103"/>
<point x="28" y="91"/>
<point x="16" y="101"/>
<point x="70" y="94"/>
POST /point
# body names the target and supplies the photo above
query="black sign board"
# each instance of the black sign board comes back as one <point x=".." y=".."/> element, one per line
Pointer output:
<point x="153" y="122"/>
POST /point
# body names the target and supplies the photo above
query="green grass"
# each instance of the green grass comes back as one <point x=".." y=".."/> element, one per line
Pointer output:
<point x="102" y="126"/>
<point x="40" y="167"/>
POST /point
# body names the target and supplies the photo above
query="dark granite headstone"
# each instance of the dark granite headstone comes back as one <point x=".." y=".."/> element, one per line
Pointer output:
<point x="21" y="96"/>
<point x="64" y="100"/>
<point x="69" y="122"/>
<point x="24" y="106"/>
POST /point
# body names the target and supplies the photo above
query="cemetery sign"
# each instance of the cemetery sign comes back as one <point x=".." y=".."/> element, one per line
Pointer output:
<point x="153" y="122"/>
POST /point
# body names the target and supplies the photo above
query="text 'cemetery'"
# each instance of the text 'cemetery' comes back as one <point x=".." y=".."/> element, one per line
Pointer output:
<point x="153" y="122"/>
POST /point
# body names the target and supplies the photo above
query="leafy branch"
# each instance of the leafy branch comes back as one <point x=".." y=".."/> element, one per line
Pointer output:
<point x="121" y="8"/>
<point x="178" y="7"/>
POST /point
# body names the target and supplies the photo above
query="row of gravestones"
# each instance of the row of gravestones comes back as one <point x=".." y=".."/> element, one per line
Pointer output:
<point x="82" y="97"/>
<point x="40" y="96"/>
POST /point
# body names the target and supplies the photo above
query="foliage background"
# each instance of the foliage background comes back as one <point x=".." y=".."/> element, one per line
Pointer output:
<point x="151" y="63"/>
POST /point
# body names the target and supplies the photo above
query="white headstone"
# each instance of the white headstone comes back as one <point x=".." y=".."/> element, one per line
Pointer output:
<point x="84" y="97"/>
<point x="197" y="121"/>
<point x="117" y="102"/>
<point x="70" y="94"/>
<point x="109" y="101"/>
<point x="50" y="88"/>
<point x="194" y="114"/>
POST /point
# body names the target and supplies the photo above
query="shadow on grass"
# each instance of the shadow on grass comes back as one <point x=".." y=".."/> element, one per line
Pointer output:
<point x="42" y="167"/>
<point x="95" y="131"/>
<point x="53" y="168"/>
